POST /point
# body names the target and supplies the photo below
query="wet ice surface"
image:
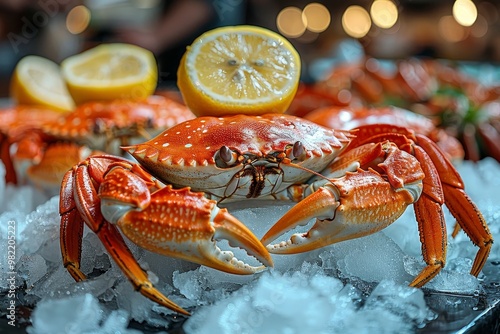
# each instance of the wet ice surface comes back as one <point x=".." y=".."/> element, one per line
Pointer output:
<point x="356" y="286"/>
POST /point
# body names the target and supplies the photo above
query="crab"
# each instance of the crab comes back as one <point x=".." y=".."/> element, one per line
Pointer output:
<point x="21" y="137"/>
<point x="100" y="125"/>
<point x="347" y="118"/>
<point x="39" y="145"/>
<point x="370" y="82"/>
<point x="353" y="183"/>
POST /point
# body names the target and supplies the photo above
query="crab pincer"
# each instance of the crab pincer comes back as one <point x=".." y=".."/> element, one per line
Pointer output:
<point x="356" y="205"/>
<point x="185" y="225"/>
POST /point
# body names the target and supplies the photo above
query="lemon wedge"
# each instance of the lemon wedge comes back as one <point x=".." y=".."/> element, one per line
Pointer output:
<point x="239" y="70"/>
<point x="38" y="81"/>
<point x="111" y="71"/>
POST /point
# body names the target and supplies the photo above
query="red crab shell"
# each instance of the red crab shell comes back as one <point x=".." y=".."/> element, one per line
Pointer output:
<point x="96" y="123"/>
<point x="185" y="155"/>
<point x="18" y="120"/>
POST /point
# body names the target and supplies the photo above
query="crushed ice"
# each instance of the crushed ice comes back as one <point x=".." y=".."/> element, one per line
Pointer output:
<point x="359" y="284"/>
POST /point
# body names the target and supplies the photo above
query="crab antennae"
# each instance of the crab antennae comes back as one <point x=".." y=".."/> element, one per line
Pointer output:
<point x="294" y="165"/>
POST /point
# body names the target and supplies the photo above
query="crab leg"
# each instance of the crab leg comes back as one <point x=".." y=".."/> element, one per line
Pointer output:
<point x="71" y="228"/>
<point x="460" y="205"/>
<point x="431" y="223"/>
<point x="440" y="173"/>
<point x="87" y="201"/>
<point x="73" y="201"/>
<point x="10" y="172"/>
<point x="340" y="217"/>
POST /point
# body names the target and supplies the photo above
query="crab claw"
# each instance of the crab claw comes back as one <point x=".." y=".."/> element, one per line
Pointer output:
<point x="184" y="224"/>
<point x="238" y="235"/>
<point x="320" y="204"/>
<point x="346" y="208"/>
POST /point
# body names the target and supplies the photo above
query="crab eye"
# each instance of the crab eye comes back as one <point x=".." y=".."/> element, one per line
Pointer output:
<point x="298" y="151"/>
<point x="225" y="157"/>
<point x="150" y="122"/>
<point x="99" y="126"/>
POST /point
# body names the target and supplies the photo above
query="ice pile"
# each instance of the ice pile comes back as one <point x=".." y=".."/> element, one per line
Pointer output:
<point x="357" y="286"/>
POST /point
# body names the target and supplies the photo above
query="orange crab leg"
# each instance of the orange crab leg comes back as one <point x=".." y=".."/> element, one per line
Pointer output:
<point x="71" y="228"/>
<point x="10" y="172"/>
<point x="349" y="207"/>
<point x="71" y="219"/>
<point x="430" y="219"/>
<point x="110" y="193"/>
<point x="460" y="205"/>
<point x="119" y="251"/>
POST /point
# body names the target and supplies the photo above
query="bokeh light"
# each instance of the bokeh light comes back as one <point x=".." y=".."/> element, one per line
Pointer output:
<point x="78" y="19"/>
<point x="450" y="30"/>
<point x="290" y="22"/>
<point x="465" y="12"/>
<point x="480" y="27"/>
<point x="489" y="11"/>
<point x="356" y="21"/>
<point x="384" y="13"/>
<point x="316" y="17"/>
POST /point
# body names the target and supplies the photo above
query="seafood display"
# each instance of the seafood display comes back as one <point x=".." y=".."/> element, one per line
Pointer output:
<point x="166" y="176"/>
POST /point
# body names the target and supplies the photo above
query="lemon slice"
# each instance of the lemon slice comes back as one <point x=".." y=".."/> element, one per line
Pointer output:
<point x="38" y="81"/>
<point x="111" y="71"/>
<point x="239" y="70"/>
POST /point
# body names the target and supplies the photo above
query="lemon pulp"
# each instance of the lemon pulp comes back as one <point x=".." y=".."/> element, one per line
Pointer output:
<point x="111" y="71"/>
<point x="38" y="81"/>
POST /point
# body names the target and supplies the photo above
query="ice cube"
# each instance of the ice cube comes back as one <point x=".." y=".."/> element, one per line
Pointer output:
<point x="117" y="322"/>
<point x="32" y="268"/>
<point x="141" y="308"/>
<point x="42" y="230"/>
<point x="75" y="314"/>
<point x="405" y="302"/>
<point x="371" y="258"/>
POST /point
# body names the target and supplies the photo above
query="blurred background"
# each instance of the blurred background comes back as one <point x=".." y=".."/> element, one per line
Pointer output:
<point x="324" y="32"/>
